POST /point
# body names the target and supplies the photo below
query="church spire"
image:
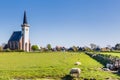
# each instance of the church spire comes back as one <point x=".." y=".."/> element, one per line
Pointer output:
<point x="25" y="34"/>
<point x="25" y="18"/>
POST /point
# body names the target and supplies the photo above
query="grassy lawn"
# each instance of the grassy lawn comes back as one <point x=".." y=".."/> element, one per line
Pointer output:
<point x="49" y="65"/>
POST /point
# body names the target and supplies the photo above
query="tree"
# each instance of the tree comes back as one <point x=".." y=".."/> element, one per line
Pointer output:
<point x="49" y="47"/>
<point x="35" y="47"/>
<point x="75" y="49"/>
<point x="93" y="46"/>
<point x="117" y="46"/>
<point x="87" y="48"/>
<point x="109" y="46"/>
<point x="58" y="48"/>
<point x="97" y="48"/>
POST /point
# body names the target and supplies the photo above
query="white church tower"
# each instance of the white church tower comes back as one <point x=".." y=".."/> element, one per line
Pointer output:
<point x="25" y="34"/>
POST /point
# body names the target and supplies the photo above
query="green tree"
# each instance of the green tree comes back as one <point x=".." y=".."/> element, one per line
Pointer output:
<point x="35" y="47"/>
<point x="75" y="49"/>
<point x="49" y="47"/>
<point x="87" y="49"/>
<point x="117" y="46"/>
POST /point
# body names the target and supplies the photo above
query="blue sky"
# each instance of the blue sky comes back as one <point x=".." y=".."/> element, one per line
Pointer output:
<point x="63" y="22"/>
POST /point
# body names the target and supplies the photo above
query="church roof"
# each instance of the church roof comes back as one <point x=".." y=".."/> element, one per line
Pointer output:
<point x="16" y="36"/>
<point x="25" y="18"/>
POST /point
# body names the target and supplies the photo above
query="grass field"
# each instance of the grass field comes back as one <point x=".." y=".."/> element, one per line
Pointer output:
<point x="49" y="65"/>
<point x="112" y="53"/>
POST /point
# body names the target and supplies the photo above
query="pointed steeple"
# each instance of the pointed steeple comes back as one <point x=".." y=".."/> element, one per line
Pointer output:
<point x="25" y="18"/>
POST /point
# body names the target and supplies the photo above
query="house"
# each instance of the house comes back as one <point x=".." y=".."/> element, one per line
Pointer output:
<point x="20" y="40"/>
<point x="105" y="49"/>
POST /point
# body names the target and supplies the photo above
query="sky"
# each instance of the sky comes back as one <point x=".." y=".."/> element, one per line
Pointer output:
<point x="63" y="22"/>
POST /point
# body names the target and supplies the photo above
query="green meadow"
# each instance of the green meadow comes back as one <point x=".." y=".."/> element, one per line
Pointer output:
<point x="112" y="53"/>
<point x="50" y="65"/>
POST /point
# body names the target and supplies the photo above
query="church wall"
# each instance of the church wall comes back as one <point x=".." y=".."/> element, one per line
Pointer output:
<point x="20" y="44"/>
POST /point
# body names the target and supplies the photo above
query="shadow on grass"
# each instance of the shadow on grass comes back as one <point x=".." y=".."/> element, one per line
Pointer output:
<point x="117" y="73"/>
<point x="67" y="77"/>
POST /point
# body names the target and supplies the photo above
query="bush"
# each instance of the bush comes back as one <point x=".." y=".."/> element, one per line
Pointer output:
<point x="35" y="47"/>
<point x="7" y="50"/>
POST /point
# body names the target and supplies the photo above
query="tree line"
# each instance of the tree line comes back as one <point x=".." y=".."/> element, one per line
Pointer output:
<point x="93" y="47"/>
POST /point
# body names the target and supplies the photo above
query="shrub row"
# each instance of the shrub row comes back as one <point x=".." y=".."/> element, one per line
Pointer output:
<point x="103" y="58"/>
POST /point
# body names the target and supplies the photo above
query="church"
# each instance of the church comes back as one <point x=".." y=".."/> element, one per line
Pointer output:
<point x="20" y="40"/>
